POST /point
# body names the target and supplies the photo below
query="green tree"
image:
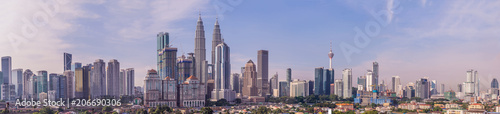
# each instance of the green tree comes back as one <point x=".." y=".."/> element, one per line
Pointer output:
<point x="238" y="101"/>
<point x="262" y="110"/>
<point x="206" y="110"/>
<point x="46" y="110"/>
<point x="371" y="112"/>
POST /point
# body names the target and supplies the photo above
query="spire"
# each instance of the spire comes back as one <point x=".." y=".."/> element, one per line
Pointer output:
<point x="199" y="16"/>
<point x="217" y="21"/>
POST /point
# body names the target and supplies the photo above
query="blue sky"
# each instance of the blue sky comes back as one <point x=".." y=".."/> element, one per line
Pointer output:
<point x="436" y="39"/>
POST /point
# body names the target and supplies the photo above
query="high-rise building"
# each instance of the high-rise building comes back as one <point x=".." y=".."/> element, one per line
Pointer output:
<point x="396" y="81"/>
<point x="129" y="81"/>
<point x="262" y="72"/>
<point x="68" y="58"/>
<point x="470" y="84"/>
<point x="434" y="86"/>
<point x="200" y="51"/>
<point x="222" y="74"/>
<point x="235" y="82"/>
<point x="284" y="88"/>
<point x="460" y="87"/>
<point x="273" y="83"/>
<point x="27" y="84"/>
<point x="168" y="63"/>
<point x="216" y="39"/>
<point x="250" y="80"/>
<point x="54" y="84"/>
<point x="42" y="79"/>
<point x="369" y="81"/>
<point x="184" y="67"/>
<point x="422" y="88"/>
<point x="289" y="74"/>
<point x="299" y="88"/>
<point x="494" y="83"/>
<point x="375" y="75"/>
<point x="75" y="66"/>
<point x="8" y="92"/>
<point x="17" y="79"/>
<point x="121" y="82"/>
<point x="82" y="82"/>
<point x="6" y="70"/>
<point x="347" y="83"/>
<point x="410" y="90"/>
<point x="62" y="87"/>
<point x="362" y="83"/>
<point x="442" y="88"/>
<point x="322" y="80"/>
<point x="98" y="79"/>
<point x="311" y="86"/>
<point x="112" y="78"/>
<point x="70" y="80"/>
<point x="339" y="88"/>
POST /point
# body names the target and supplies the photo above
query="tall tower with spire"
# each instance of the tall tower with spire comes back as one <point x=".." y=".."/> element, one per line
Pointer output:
<point x="330" y="55"/>
<point x="199" y="50"/>
<point x="216" y="39"/>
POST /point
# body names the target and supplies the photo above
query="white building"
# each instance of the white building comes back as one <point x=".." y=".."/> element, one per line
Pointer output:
<point x="112" y="78"/>
<point x="369" y="81"/>
<point x="347" y="83"/>
<point x="222" y="74"/>
<point x="299" y="88"/>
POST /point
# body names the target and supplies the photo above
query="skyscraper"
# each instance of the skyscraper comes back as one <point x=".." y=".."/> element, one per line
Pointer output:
<point x="284" y="88"/>
<point x="17" y="80"/>
<point x="222" y="74"/>
<point x="216" y="39"/>
<point x="442" y="88"/>
<point x="494" y="83"/>
<point x="129" y="81"/>
<point x="184" y="67"/>
<point x="434" y="85"/>
<point x="27" y="84"/>
<point x="168" y="63"/>
<point x="362" y="83"/>
<point x="369" y="81"/>
<point x="375" y="74"/>
<point x="422" y="88"/>
<point x="70" y="76"/>
<point x="262" y="72"/>
<point x="339" y="88"/>
<point x="470" y="84"/>
<point x="250" y="80"/>
<point x="6" y="70"/>
<point x="82" y="82"/>
<point x="42" y="79"/>
<point x="318" y="81"/>
<point x="299" y="88"/>
<point x="235" y="82"/>
<point x="395" y="83"/>
<point x="289" y="75"/>
<point x="68" y="58"/>
<point x="199" y="51"/>
<point x="273" y="83"/>
<point x="98" y="79"/>
<point x="347" y="81"/>
<point x="121" y="82"/>
<point x="112" y="78"/>
<point x="54" y="84"/>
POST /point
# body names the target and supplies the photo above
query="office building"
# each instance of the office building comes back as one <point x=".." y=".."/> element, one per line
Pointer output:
<point x="68" y="58"/>
<point x="322" y="79"/>
<point x="347" y="83"/>
<point x="422" y="88"/>
<point x="299" y="88"/>
<point x="375" y="75"/>
<point x="42" y="84"/>
<point x="168" y="63"/>
<point x="54" y="84"/>
<point x="284" y="88"/>
<point x="112" y="79"/>
<point x="235" y="82"/>
<point x="339" y="86"/>
<point x="273" y="83"/>
<point x="222" y="74"/>
<point x="17" y="80"/>
<point x="369" y="81"/>
<point x="185" y="68"/>
<point x="250" y="80"/>
<point x="263" y="72"/>
<point x="82" y="82"/>
<point x="289" y="75"/>
<point x="192" y="93"/>
<point x="129" y="81"/>
<point x="200" y="52"/>
<point x="396" y="82"/>
<point x="311" y="86"/>
<point x="6" y="70"/>
<point x="27" y="84"/>
<point x="362" y="83"/>
<point x="70" y="77"/>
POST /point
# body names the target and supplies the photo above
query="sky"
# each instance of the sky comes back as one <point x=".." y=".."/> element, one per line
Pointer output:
<point x="408" y="38"/>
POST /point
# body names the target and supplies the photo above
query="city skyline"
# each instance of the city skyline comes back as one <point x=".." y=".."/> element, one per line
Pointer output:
<point x="411" y="51"/>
